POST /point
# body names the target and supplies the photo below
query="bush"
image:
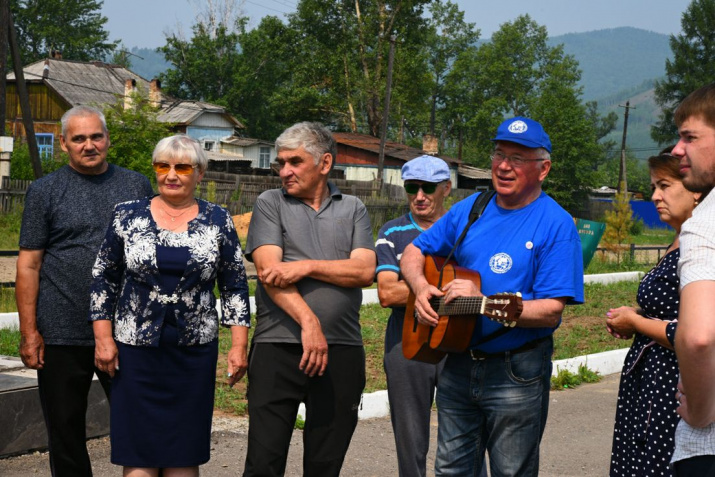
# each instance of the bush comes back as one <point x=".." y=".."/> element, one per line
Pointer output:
<point x="566" y="379"/>
<point x="21" y="166"/>
<point x="637" y="227"/>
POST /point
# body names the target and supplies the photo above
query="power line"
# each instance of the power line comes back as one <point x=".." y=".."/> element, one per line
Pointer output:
<point x="284" y="3"/>
<point x="267" y="8"/>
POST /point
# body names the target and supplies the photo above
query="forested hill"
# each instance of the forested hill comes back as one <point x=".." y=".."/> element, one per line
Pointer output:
<point x="616" y="59"/>
<point x="611" y="60"/>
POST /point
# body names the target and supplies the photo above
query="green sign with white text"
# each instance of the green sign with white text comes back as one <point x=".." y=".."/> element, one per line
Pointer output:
<point x="590" y="233"/>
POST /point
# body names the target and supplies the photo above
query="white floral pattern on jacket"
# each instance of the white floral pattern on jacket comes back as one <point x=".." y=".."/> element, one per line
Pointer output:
<point x="125" y="277"/>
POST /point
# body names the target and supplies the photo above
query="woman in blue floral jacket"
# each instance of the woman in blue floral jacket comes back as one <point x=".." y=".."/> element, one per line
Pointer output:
<point x="155" y="320"/>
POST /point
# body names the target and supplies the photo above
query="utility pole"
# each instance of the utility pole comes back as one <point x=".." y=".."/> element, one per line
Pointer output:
<point x="386" y="111"/>
<point x="24" y="97"/>
<point x="622" y="180"/>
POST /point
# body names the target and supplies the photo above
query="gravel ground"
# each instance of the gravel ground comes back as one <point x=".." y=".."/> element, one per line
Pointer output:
<point x="7" y="269"/>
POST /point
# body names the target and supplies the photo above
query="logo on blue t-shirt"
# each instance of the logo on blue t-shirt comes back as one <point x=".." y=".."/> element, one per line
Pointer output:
<point x="500" y="263"/>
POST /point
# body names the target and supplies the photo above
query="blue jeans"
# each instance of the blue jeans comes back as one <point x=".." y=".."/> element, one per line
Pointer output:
<point x="494" y="404"/>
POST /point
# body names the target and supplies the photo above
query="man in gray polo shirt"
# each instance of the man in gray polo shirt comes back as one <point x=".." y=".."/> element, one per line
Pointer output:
<point x="313" y="251"/>
<point x="65" y="218"/>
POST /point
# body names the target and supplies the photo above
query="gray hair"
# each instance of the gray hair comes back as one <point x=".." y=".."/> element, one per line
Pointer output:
<point x="314" y="137"/>
<point x="181" y="146"/>
<point x="82" y="111"/>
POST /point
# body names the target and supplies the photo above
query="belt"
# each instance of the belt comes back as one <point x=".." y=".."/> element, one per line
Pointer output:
<point x="478" y="355"/>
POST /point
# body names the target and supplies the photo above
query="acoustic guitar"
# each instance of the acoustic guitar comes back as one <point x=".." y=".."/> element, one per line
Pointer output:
<point x="457" y="319"/>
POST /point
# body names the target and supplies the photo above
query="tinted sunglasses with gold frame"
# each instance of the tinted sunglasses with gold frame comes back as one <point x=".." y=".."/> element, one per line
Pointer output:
<point x="181" y="169"/>
<point x="427" y="187"/>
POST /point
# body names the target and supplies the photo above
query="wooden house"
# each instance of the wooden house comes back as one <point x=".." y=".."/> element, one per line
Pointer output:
<point x="56" y="85"/>
<point x="241" y="154"/>
<point x="358" y="156"/>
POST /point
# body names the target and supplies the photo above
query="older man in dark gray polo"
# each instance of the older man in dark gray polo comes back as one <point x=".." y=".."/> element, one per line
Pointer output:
<point x="313" y="251"/>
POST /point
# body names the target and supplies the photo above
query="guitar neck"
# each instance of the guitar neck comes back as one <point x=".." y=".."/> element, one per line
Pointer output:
<point x="463" y="305"/>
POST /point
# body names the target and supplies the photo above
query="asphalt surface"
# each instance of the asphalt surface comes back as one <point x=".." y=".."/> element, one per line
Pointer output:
<point x="577" y="442"/>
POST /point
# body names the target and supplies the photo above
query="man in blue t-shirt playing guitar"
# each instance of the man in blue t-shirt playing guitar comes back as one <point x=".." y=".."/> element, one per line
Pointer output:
<point x="493" y="395"/>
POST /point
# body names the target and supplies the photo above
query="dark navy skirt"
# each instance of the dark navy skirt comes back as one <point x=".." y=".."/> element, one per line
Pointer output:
<point x="162" y="403"/>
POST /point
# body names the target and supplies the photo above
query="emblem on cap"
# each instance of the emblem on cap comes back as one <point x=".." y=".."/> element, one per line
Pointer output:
<point x="518" y="127"/>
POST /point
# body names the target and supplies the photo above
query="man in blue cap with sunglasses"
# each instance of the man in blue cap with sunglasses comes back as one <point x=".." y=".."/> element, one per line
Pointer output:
<point x="494" y="396"/>
<point x="410" y="384"/>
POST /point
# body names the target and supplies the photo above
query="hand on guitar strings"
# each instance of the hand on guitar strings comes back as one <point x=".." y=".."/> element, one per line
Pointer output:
<point x="454" y="289"/>
<point x="459" y="287"/>
<point x="425" y="314"/>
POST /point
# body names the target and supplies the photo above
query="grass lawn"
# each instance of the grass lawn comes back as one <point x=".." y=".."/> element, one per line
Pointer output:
<point x="10" y="226"/>
<point x="582" y="332"/>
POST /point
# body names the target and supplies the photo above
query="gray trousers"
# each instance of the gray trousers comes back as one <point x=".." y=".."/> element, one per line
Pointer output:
<point x="410" y="390"/>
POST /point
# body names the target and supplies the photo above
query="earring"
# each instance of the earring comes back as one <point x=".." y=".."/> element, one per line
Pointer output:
<point x="696" y="202"/>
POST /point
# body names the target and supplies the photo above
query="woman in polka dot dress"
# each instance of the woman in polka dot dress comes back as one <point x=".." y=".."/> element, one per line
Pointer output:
<point x="646" y="418"/>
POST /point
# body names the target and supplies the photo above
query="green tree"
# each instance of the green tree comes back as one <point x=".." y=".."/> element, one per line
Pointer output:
<point x="447" y="37"/>
<point x="344" y="46"/>
<point x="134" y="133"/>
<point x="202" y="67"/>
<point x="619" y="221"/>
<point x="638" y="174"/>
<point x="264" y="94"/>
<point x="518" y="74"/>
<point x="74" y="27"/>
<point x="692" y="66"/>
<point x="121" y="57"/>
<point x="21" y="166"/>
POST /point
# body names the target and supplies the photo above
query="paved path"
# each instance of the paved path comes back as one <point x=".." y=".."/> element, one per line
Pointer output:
<point x="577" y="442"/>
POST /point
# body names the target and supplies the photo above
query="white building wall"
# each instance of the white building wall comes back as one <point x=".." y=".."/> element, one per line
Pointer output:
<point x="391" y="175"/>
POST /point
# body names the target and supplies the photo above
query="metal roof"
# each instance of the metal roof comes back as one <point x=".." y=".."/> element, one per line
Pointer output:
<point x="392" y="149"/>
<point x="90" y="84"/>
<point x="244" y="141"/>
<point x="220" y="156"/>
<point x="474" y="172"/>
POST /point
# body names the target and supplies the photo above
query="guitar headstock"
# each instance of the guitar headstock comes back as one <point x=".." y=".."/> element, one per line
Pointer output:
<point x="504" y="308"/>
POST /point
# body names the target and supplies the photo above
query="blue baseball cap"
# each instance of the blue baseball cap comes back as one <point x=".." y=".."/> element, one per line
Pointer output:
<point x="524" y="131"/>
<point x="426" y="169"/>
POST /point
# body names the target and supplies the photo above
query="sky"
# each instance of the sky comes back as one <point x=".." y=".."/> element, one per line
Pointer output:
<point x="145" y="23"/>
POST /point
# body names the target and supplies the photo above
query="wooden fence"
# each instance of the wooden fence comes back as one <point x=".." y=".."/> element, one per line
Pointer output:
<point x="643" y="254"/>
<point x="12" y="195"/>
<point x="238" y="193"/>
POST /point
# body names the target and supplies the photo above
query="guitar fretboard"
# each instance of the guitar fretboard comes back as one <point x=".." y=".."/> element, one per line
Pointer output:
<point x="463" y="305"/>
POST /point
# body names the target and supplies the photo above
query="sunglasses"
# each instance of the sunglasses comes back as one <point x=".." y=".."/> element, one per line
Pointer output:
<point x="180" y="169"/>
<point x="427" y="187"/>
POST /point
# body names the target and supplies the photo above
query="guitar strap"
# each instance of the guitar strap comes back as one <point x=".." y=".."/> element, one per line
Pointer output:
<point x="479" y="205"/>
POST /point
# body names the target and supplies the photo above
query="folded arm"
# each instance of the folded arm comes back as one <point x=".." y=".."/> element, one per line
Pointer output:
<point x="391" y="290"/>
<point x="289" y="299"/>
<point x="356" y="271"/>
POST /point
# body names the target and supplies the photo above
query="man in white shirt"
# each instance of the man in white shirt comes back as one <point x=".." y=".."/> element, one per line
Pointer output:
<point x="695" y="340"/>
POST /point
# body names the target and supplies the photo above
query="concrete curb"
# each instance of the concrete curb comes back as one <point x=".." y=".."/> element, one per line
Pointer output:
<point x="609" y="362"/>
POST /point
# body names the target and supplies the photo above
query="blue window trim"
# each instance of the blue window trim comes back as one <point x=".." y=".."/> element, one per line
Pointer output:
<point x="46" y="150"/>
